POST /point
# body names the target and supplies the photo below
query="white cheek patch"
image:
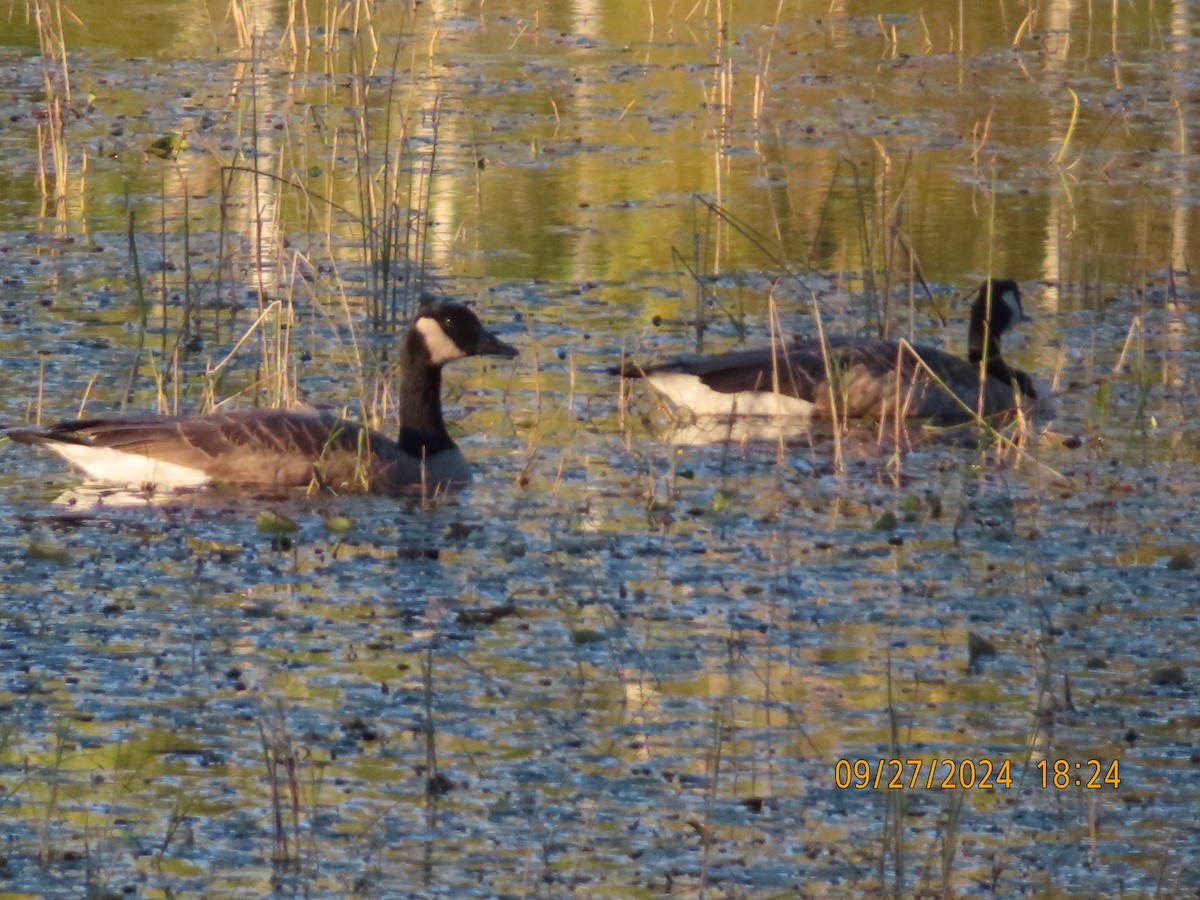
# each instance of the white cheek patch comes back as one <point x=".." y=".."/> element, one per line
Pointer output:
<point x="440" y="345"/>
<point x="114" y="467"/>
<point x="1014" y="306"/>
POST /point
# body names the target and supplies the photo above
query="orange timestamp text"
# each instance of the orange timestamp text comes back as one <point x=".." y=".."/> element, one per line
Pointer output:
<point x="983" y="774"/>
<point x="900" y="774"/>
<point x="1090" y="774"/>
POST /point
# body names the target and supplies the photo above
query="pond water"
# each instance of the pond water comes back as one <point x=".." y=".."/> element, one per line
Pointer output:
<point x="619" y="664"/>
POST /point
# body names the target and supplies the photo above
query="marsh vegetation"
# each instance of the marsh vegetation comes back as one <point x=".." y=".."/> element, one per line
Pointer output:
<point x="620" y="664"/>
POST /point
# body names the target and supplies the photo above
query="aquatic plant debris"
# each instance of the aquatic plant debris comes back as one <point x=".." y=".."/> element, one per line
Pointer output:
<point x="626" y="661"/>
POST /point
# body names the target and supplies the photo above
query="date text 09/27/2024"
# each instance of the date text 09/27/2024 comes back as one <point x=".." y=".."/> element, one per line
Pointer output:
<point x="899" y="774"/>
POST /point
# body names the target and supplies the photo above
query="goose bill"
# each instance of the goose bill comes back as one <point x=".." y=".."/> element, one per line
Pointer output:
<point x="490" y="345"/>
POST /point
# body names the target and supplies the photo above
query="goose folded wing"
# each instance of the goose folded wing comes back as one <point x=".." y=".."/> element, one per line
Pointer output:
<point x="241" y="447"/>
<point x="742" y="371"/>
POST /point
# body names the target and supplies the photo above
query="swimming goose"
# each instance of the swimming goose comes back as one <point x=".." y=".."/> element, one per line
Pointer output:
<point x="792" y="380"/>
<point x="282" y="448"/>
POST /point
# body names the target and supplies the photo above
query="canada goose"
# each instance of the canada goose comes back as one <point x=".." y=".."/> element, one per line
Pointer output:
<point x="282" y="448"/>
<point x="792" y="379"/>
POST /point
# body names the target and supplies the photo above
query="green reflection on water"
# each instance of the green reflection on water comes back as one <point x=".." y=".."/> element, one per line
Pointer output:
<point x="551" y="166"/>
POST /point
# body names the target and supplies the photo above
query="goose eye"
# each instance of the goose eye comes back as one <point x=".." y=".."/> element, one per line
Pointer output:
<point x="448" y="323"/>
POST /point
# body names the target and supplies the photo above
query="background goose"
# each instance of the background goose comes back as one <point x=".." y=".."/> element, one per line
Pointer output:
<point x="871" y="377"/>
<point x="282" y="448"/>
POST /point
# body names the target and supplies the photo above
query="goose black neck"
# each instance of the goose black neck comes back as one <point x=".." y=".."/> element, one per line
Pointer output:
<point x="975" y="351"/>
<point x="998" y="368"/>
<point x="990" y="317"/>
<point x="988" y="320"/>
<point x="980" y="333"/>
<point x="422" y="428"/>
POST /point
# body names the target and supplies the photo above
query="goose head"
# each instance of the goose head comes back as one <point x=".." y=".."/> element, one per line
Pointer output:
<point x="444" y="331"/>
<point x="996" y="309"/>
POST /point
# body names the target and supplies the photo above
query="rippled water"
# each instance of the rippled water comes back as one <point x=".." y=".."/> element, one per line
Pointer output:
<point x="615" y="666"/>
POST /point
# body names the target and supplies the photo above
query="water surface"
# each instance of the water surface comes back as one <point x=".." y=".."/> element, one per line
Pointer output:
<point x="614" y="666"/>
